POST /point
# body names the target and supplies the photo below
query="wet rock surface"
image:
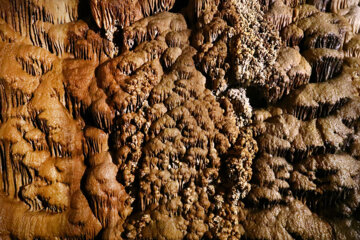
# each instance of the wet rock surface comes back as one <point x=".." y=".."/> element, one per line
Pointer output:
<point x="199" y="119"/>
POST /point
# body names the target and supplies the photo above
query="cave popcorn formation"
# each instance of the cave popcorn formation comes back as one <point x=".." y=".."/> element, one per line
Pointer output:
<point x="165" y="119"/>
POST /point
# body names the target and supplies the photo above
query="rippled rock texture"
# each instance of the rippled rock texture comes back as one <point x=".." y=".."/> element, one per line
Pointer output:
<point x="170" y="119"/>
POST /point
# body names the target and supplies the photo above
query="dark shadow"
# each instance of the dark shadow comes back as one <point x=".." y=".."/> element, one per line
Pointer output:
<point x="179" y="6"/>
<point x="256" y="97"/>
<point x="84" y="13"/>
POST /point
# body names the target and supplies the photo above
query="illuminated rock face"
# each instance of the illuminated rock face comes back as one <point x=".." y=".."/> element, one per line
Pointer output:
<point x="178" y="119"/>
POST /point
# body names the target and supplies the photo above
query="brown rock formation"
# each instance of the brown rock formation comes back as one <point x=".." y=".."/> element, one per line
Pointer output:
<point x="170" y="133"/>
<point x="112" y="13"/>
<point x="319" y="30"/>
<point x="170" y="119"/>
